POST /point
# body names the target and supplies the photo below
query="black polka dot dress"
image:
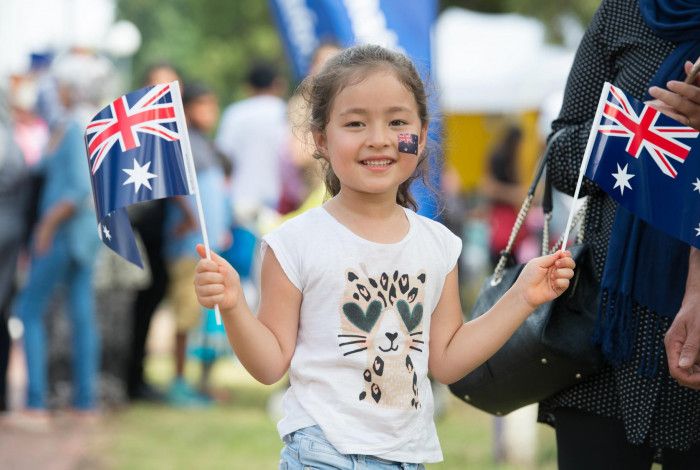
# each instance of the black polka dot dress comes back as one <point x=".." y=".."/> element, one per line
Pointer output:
<point x="620" y="48"/>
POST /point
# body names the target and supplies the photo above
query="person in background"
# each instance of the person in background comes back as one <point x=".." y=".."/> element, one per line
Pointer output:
<point x="202" y="112"/>
<point x="301" y="142"/>
<point x="148" y="218"/>
<point x="503" y="192"/>
<point x="252" y="134"/>
<point x="64" y="243"/>
<point x="633" y="412"/>
<point x="14" y="200"/>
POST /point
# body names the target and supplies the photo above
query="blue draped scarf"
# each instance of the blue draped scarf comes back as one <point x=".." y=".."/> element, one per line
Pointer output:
<point x="643" y="265"/>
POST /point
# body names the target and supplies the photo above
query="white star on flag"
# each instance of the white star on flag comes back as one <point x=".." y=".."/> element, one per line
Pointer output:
<point x="622" y="179"/>
<point x="139" y="176"/>
<point x="698" y="231"/>
<point x="108" y="235"/>
<point x="696" y="185"/>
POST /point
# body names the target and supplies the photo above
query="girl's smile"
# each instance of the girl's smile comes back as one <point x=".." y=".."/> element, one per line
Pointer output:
<point x="379" y="163"/>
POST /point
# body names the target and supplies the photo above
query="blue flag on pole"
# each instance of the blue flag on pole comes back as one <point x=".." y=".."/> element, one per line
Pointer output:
<point x="136" y="153"/>
<point x="648" y="162"/>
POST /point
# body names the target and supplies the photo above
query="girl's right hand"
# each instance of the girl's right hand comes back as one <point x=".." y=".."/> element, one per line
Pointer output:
<point x="216" y="282"/>
<point x="545" y="278"/>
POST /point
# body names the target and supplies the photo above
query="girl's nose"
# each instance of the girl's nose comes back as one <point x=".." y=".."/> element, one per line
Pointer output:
<point x="378" y="137"/>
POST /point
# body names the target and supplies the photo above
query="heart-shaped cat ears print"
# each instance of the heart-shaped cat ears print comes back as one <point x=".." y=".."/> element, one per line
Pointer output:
<point x="366" y="319"/>
<point x="408" y="143"/>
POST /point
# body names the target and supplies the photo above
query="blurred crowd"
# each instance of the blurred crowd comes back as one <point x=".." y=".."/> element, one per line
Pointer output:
<point x="76" y="317"/>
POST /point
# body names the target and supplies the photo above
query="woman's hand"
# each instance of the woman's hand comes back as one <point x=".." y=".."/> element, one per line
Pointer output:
<point x="216" y="282"/>
<point x="545" y="278"/>
<point x="682" y="343"/>
<point x="681" y="100"/>
<point x="682" y="339"/>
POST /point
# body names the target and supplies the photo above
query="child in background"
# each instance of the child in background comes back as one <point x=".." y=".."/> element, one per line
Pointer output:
<point x="359" y="296"/>
<point x="183" y="232"/>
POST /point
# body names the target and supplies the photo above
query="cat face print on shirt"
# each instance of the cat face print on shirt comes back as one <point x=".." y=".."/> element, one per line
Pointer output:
<point x="382" y="319"/>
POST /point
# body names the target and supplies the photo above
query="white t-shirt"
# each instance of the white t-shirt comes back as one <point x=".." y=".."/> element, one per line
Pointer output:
<point x="360" y="366"/>
<point x="253" y="134"/>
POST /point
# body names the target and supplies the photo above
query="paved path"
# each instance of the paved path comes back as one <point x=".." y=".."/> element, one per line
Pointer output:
<point x="68" y="445"/>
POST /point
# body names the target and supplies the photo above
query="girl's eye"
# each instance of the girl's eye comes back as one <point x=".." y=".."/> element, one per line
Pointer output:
<point x="354" y="124"/>
<point x="398" y="122"/>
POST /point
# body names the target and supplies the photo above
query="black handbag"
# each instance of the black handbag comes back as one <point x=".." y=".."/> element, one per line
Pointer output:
<point x="552" y="349"/>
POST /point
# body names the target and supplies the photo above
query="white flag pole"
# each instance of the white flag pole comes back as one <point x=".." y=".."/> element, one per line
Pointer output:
<point x="190" y="171"/>
<point x="586" y="158"/>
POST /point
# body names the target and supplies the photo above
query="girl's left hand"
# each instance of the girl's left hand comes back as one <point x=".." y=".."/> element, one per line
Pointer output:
<point x="545" y="278"/>
<point x="681" y="100"/>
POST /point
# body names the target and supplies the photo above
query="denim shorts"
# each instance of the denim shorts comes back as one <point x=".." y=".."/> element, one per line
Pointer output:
<point x="308" y="448"/>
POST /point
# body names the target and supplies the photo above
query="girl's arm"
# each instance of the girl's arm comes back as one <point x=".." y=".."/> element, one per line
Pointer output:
<point x="264" y="344"/>
<point x="457" y="348"/>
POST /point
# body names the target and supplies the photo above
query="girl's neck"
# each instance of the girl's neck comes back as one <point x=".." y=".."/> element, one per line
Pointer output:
<point x="378" y="220"/>
<point x="365" y="206"/>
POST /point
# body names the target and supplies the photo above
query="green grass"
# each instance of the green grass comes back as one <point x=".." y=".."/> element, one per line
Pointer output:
<point x="240" y="435"/>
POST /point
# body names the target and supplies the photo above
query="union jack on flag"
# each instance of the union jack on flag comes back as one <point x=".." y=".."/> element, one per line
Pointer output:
<point x="137" y="151"/>
<point x="646" y="130"/>
<point x="648" y="162"/>
<point x="148" y="115"/>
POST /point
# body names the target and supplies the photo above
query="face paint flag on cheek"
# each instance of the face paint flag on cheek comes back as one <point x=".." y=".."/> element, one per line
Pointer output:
<point x="408" y="143"/>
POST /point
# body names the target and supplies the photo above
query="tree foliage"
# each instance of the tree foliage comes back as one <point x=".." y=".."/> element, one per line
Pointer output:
<point x="209" y="40"/>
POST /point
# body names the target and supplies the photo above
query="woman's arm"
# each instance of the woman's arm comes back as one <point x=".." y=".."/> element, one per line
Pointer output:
<point x="264" y="344"/>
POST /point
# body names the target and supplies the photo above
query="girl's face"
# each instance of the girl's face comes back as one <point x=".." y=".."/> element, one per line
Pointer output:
<point x="361" y="138"/>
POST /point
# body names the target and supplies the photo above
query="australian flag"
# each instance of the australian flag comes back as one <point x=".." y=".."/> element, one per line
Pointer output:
<point x="408" y="143"/>
<point x="136" y="153"/>
<point x="648" y="162"/>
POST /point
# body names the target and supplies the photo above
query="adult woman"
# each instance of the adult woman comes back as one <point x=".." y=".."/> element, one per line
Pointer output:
<point x="633" y="411"/>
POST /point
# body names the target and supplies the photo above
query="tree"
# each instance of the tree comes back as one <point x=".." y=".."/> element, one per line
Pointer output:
<point x="209" y="40"/>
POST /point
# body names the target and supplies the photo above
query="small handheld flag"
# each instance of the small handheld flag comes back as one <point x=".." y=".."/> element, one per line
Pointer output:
<point x="135" y="153"/>
<point x="152" y="161"/>
<point x="648" y="162"/>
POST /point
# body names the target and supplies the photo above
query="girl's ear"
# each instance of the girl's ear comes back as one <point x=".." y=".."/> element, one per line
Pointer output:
<point x="321" y="143"/>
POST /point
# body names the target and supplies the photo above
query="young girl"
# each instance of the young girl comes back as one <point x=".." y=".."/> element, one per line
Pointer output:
<point x="359" y="297"/>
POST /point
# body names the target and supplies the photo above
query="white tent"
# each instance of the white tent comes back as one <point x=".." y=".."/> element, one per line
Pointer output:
<point x="495" y="63"/>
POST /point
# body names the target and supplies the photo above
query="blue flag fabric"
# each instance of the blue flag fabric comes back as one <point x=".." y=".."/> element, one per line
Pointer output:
<point x="648" y="162"/>
<point x="136" y="153"/>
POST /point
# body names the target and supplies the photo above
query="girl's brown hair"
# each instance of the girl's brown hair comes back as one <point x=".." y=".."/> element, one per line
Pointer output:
<point x="350" y="67"/>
